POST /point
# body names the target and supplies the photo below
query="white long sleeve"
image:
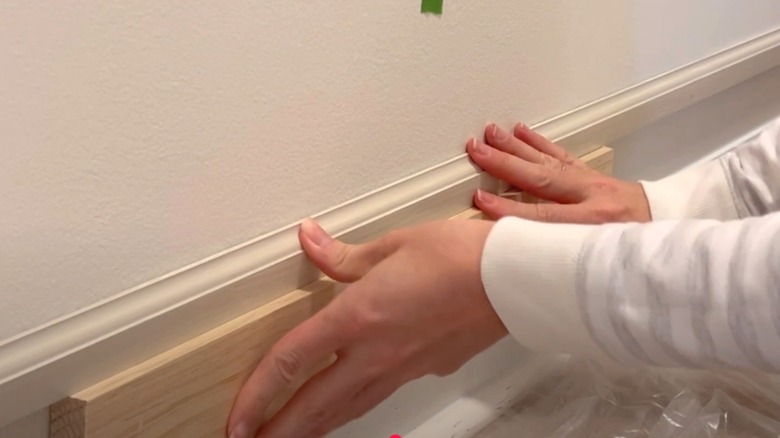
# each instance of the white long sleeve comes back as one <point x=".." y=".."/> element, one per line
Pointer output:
<point x="742" y="183"/>
<point x="680" y="291"/>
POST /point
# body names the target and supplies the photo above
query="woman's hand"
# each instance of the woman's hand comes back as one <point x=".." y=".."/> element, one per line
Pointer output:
<point x="416" y="306"/>
<point x="577" y="194"/>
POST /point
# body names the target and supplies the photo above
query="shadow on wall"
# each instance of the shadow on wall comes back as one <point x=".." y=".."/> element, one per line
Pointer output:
<point x="35" y="425"/>
<point x="682" y="139"/>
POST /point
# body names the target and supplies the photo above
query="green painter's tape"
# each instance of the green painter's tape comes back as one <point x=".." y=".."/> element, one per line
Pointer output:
<point x="432" y="6"/>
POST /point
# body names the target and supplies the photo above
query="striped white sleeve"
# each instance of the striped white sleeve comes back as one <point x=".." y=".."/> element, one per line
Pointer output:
<point x="693" y="293"/>
<point x="743" y="182"/>
<point x="696" y="293"/>
<point x="679" y="291"/>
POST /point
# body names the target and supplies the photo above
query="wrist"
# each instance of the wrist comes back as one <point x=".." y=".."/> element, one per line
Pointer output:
<point x="639" y="204"/>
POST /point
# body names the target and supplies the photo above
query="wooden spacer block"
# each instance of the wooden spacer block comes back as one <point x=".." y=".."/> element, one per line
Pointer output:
<point x="187" y="391"/>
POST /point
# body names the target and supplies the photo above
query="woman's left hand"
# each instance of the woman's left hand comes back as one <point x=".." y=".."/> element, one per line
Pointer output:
<point x="576" y="193"/>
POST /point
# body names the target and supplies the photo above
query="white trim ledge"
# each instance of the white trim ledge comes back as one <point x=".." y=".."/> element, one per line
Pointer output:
<point x="50" y="362"/>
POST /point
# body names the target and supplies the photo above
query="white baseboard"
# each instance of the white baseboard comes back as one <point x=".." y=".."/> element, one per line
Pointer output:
<point x="714" y="155"/>
<point x="469" y="415"/>
<point x="43" y="365"/>
<point x="695" y="132"/>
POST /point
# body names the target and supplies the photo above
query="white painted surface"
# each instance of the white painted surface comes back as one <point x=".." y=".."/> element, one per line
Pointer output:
<point x="419" y="401"/>
<point x="475" y="410"/>
<point x="695" y="132"/>
<point x="137" y="138"/>
<point x="35" y="425"/>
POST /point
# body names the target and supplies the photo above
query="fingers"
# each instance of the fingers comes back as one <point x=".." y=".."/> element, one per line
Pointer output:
<point x="340" y="261"/>
<point x="504" y="141"/>
<point x="302" y="348"/>
<point x="315" y="408"/>
<point x="540" y="143"/>
<point x="496" y="207"/>
<point x="559" y="185"/>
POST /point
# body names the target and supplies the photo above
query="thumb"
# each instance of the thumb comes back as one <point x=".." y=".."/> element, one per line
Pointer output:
<point x="340" y="261"/>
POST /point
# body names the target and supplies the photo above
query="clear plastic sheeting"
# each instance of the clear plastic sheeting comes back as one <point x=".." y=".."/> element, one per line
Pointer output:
<point x="588" y="400"/>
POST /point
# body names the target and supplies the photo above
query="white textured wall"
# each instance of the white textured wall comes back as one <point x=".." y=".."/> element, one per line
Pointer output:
<point x="136" y="138"/>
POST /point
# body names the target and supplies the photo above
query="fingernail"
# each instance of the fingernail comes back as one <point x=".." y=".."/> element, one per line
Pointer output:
<point x="479" y="148"/>
<point x="314" y="232"/>
<point x="484" y="198"/>
<point x="239" y="432"/>
<point x="498" y="133"/>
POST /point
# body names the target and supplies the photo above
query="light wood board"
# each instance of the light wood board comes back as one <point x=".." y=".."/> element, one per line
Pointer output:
<point x="188" y="391"/>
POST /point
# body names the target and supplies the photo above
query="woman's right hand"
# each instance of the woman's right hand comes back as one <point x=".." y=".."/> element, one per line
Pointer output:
<point x="533" y="164"/>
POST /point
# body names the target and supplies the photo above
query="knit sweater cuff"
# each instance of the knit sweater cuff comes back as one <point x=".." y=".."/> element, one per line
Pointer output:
<point x="529" y="272"/>
<point x="700" y="192"/>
